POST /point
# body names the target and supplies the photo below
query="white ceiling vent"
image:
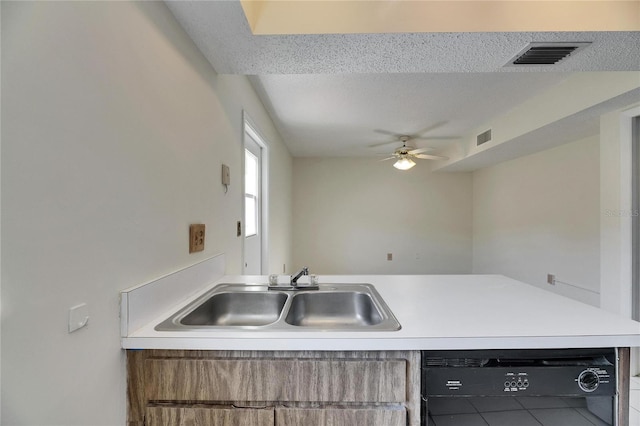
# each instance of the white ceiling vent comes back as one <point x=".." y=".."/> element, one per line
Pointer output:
<point x="483" y="137"/>
<point x="545" y="53"/>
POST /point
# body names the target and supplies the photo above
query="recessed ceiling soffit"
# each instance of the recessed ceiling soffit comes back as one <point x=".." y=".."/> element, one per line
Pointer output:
<point x="280" y="17"/>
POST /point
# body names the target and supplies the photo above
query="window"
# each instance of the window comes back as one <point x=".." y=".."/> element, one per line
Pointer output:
<point x="251" y="193"/>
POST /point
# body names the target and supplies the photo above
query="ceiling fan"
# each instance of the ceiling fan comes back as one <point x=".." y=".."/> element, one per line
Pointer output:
<point x="406" y="154"/>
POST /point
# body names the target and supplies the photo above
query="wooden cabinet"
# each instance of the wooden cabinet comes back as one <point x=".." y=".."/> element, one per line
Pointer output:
<point x="207" y="416"/>
<point x="301" y="388"/>
<point x="289" y="380"/>
<point x="341" y="416"/>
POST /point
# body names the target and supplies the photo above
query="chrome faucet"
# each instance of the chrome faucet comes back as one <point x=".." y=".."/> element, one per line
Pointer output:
<point x="294" y="279"/>
<point x="293" y="283"/>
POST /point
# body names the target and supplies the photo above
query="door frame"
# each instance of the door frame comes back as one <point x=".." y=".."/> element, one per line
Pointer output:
<point x="635" y="226"/>
<point x="249" y="127"/>
<point x="635" y="217"/>
<point x="630" y="220"/>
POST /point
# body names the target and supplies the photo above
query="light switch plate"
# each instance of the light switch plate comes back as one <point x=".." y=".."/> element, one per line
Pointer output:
<point x="196" y="237"/>
<point x="78" y="317"/>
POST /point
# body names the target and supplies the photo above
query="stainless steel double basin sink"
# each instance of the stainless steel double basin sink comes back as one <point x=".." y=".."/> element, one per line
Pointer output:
<point x="333" y="307"/>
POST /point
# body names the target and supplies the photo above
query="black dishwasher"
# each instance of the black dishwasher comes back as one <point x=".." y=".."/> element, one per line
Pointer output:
<point x="537" y="387"/>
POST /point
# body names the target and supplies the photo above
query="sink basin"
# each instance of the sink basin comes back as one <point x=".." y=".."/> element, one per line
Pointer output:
<point x="331" y="307"/>
<point x="237" y="308"/>
<point x="227" y="306"/>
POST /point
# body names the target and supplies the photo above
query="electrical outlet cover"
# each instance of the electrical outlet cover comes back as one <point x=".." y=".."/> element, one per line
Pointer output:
<point x="196" y="237"/>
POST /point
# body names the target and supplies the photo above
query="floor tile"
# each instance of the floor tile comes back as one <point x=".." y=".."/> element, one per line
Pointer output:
<point x="439" y="406"/>
<point x="460" y="420"/>
<point x="542" y="402"/>
<point x="634" y="417"/>
<point x="634" y="398"/>
<point x="510" y="418"/>
<point x="575" y="402"/>
<point x="593" y="418"/>
<point x="601" y="407"/>
<point x="497" y="403"/>
<point x="634" y="401"/>
<point x="560" y="417"/>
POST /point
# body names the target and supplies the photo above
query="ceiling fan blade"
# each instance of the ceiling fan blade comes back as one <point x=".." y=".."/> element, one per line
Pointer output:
<point x="387" y="132"/>
<point x="388" y="158"/>
<point x="430" y="157"/>
<point x="428" y="129"/>
<point x="435" y="138"/>
<point x="419" y="151"/>
<point x="403" y="138"/>
<point x="376" y="145"/>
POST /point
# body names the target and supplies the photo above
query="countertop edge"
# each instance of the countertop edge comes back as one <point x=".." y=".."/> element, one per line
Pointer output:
<point x="379" y="344"/>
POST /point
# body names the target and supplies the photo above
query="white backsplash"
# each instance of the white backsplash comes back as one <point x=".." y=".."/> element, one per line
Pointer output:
<point x="141" y="304"/>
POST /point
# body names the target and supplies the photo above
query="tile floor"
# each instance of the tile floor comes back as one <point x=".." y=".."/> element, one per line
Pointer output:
<point x="496" y="411"/>
<point x="634" y="402"/>
<point x="524" y="411"/>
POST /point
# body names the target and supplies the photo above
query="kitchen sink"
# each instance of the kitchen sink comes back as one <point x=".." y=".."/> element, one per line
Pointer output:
<point x="333" y="309"/>
<point x="237" y="308"/>
<point x="330" y="307"/>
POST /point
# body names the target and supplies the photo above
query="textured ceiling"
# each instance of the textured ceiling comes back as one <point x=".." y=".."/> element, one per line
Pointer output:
<point x="222" y="33"/>
<point x="328" y="93"/>
<point x="338" y="115"/>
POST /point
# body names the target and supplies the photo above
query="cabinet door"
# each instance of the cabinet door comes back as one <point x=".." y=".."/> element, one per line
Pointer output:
<point x="340" y="380"/>
<point x="341" y="416"/>
<point x="208" y="416"/>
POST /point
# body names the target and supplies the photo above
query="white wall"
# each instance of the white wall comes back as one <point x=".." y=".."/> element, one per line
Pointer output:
<point x="528" y="127"/>
<point x="237" y="95"/>
<point x="114" y="131"/>
<point x="350" y="212"/>
<point x="540" y="214"/>
<point x="616" y="205"/>
<point x="0" y="221"/>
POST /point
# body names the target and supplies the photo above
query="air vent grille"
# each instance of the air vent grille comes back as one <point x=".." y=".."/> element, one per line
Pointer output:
<point x="545" y="53"/>
<point x="483" y="137"/>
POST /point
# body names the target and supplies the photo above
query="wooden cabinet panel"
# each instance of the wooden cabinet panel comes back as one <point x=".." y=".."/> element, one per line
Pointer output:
<point x="173" y="387"/>
<point x="208" y="416"/>
<point x="341" y="416"/>
<point x="336" y="380"/>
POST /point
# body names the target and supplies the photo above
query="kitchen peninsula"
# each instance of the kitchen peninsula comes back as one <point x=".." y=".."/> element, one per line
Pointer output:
<point x="363" y="377"/>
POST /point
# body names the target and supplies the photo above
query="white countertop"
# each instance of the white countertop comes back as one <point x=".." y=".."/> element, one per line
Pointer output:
<point x="435" y="311"/>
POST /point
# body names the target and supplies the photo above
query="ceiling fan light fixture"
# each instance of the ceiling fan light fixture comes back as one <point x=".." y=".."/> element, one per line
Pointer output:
<point x="404" y="163"/>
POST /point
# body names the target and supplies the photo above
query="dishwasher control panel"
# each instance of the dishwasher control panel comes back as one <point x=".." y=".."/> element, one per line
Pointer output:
<point x="587" y="380"/>
<point x="514" y="382"/>
<point x="532" y="373"/>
